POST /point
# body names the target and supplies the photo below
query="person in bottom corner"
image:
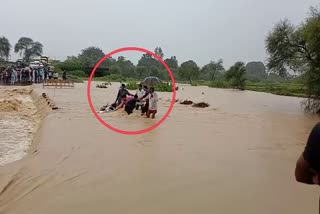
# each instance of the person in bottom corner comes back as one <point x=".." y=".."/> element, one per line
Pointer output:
<point x="153" y="101"/>
<point x="308" y="165"/>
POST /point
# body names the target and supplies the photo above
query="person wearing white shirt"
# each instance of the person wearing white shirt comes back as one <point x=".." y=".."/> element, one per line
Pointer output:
<point x="153" y="101"/>
<point x="140" y="93"/>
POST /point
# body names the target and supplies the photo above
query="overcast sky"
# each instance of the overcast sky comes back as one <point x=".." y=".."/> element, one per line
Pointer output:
<point x="201" y="30"/>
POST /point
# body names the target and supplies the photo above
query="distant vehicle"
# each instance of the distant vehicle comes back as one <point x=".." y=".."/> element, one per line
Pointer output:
<point x="35" y="64"/>
<point x="55" y="75"/>
<point x="44" y="60"/>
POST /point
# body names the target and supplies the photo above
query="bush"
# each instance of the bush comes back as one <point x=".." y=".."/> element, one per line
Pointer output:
<point x="77" y="73"/>
<point x="164" y="87"/>
<point x="219" y="84"/>
<point x="75" y="79"/>
<point x="132" y="86"/>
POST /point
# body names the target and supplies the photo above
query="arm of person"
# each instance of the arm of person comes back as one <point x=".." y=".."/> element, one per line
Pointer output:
<point x="303" y="172"/>
<point x="308" y="164"/>
<point x="118" y="95"/>
<point x="119" y="106"/>
<point x="144" y="96"/>
<point x="128" y="93"/>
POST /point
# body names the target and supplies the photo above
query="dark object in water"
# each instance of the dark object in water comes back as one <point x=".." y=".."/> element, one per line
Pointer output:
<point x="202" y="92"/>
<point x="177" y="100"/>
<point x="107" y="108"/>
<point x="130" y="106"/>
<point x="186" y="102"/>
<point x="102" y="86"/>
<point x="177" y="88"/>
<point x="145" y="107"/>
<point x="200" y="105"/>
<point x="103" y="108"/>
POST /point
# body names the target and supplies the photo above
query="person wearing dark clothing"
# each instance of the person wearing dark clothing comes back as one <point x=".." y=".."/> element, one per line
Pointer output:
<point x="145" y="88"/>
<point x="46" y="73"/>
<point x="122" y="91"/>
<point x="308" y="165"/>
<point x="130" y="105"/>
<point x="145" y="107"/>
<point x="64" y="75"/>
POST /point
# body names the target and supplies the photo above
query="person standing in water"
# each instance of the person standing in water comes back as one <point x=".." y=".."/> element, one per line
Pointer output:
<point x="124" y="100"/>
<point x="145" y="107"/>
<point x="122" y="91"/>
<point x="153" y="100"/>
<point x="140" y="93"/>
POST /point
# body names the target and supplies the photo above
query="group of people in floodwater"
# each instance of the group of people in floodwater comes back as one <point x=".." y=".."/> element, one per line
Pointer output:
<point x="145" y="98"/>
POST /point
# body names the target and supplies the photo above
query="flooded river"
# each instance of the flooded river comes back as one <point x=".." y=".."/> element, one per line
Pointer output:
<point x="237" y="156"/>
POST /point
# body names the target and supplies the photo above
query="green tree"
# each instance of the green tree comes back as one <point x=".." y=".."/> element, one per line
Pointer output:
<point x="148" y="61"/>
<point x="154" y="71"/>
<point x="172" y="62"/>
<point x="298" y="48"/>
<point x="189" y="70"/>
<point x="72" y="63"/>
<point x="115" y="69"/>
<point x="90" y="56"/>
<point x="28" y="48"/>
<point x="236" y="75"/>
<point x="213" y="68"/>
<point x="256" y="71"/>
<point x="5" y="48"/>
<point x="127" y="68"/>
<point x="142" y="71"/>
<point x="159" y="52"/>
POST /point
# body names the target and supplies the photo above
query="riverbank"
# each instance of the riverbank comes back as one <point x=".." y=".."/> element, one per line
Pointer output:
<point x="186" y="165"/>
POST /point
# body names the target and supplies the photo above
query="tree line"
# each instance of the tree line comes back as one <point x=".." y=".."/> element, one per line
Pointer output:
<point x="147" y="65"/>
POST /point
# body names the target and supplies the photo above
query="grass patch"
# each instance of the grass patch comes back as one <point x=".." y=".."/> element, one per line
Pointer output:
<point x="164" y="87"/>
<point x="75" y="79"/>
<point x="113" y="78"/>
<point x="285" y="89"/>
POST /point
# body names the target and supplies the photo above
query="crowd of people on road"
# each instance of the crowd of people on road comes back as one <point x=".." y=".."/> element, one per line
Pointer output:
<point x="12" y="75"/>
<point x="145" y="98"/>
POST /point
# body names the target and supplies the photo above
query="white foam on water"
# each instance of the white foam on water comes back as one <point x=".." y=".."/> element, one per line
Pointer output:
<point x="15" y="138"/>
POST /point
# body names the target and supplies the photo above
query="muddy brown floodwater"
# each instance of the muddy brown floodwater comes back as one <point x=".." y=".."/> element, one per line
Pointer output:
<point x="237" y="156"/>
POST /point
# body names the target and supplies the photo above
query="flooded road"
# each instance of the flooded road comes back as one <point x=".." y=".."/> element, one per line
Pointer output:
<point x="237" y="156"/>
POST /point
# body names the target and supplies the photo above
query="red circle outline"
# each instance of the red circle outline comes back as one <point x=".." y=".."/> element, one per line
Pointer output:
<point x="143" y="130"/>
